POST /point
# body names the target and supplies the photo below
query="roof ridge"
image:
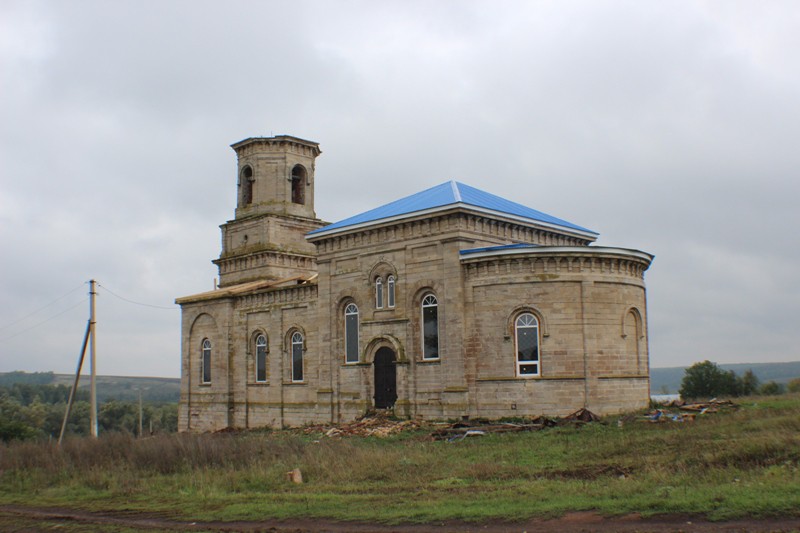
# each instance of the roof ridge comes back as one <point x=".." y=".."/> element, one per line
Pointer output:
<point x="449" y="194"/>
<point x="456" y="192"/>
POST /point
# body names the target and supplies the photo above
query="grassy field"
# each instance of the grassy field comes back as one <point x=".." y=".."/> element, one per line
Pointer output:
<point x="741" y="463"/>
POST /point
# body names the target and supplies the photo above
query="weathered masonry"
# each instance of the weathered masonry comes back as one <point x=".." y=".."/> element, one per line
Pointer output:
<point x="451" y="302"/>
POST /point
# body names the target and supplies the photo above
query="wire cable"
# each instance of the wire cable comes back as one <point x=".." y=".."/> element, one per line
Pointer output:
<point x="132" y="302"/>
<point x="45" y="321"/>
<point x="42" y="308"/>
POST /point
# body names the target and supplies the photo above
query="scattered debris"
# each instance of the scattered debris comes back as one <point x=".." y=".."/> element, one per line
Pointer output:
<point x="685" y="412"/>
<point x="467" y="428"/>
<point x="583" y="415"/>
<point x="373" y="424"/>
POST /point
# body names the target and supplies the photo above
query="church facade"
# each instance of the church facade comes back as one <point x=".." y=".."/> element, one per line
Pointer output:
<point x="448" y="303"/>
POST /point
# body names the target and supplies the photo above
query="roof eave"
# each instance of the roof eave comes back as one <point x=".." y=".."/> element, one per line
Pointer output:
<point x="550" y="250"/>
<point x="582" y="233"/>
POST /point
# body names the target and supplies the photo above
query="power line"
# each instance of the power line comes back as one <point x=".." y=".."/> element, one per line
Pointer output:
<point x="43" y="307"/>
<point x="45" y="321"/>
<point x="132" y="302"/>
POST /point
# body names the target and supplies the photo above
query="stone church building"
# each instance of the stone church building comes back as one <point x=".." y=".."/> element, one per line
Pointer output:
<point x="450" y="302"/>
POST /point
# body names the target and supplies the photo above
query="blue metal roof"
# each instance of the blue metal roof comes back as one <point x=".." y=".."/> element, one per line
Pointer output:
<point x="449" y="193"/>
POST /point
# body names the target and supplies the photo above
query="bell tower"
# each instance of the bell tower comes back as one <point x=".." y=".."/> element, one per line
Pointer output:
<point x="276" y="175"/>
<point x="274" y="211"/>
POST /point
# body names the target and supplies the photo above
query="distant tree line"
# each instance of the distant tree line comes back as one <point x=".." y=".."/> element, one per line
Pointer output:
<point x="32" y="410"/>
<point x="708" y="380"/>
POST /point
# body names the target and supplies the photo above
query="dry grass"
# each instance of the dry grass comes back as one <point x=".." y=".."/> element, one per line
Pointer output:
<point x="733" y="464"/>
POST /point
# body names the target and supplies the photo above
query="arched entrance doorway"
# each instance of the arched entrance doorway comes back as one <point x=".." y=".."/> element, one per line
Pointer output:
<point x="385" y="378"/>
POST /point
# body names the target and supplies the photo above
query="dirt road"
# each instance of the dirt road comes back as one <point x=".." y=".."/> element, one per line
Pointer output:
<point x="20" y="518"/>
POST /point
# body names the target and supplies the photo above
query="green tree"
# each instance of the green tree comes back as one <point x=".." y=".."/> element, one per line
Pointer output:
<point x="748" y="384"/>
<point x="13" y="423"/>
<point x="119" y="416"/>
<point x="708" y="380"/>
<point x="794" y="385"/>
<point x="771" y="388"/>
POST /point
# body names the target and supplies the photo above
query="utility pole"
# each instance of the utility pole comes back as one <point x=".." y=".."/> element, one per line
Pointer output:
<point x="92" y="358"/>
<point x="140" y="413"/>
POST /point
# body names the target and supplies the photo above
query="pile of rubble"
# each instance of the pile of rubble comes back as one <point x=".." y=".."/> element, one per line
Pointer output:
<point x="373" y="424"/>
<point x="680" y="411"/>
<point x="475" y="428"/>
<point x="382" y="424"/>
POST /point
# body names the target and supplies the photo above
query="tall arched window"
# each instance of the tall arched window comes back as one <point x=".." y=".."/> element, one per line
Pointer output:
<point x="378" y="293"/>
<point x="430" y="327"/>
<point x="261" y="358"/>
<point x="297" y="356"/>
<point x="299" y="184"/>
<point x="526" y="341"/>
<point x="247" y="185"/>
<point x="390" y="291"/>
<point x="351" y="333"/>
<point x="205" y="354"/>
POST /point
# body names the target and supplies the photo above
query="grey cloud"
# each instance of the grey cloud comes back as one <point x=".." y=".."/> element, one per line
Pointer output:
<point x="665" y="127"/>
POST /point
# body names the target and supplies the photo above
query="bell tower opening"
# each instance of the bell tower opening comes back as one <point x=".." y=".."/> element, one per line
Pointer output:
<point x="246" y="183"/>
<point x="299" y="184"/>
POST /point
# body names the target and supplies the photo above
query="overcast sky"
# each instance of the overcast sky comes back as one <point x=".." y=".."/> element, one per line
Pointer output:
<point x="669" y="127"/>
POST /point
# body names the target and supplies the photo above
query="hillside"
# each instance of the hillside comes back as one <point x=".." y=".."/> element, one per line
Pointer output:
<point x="154" y="390"/>
<point x="662" y="380"/>
<point x="668" y="380"/>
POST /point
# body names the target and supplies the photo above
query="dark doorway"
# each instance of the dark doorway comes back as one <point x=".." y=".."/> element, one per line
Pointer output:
<point x="385" y="378"/>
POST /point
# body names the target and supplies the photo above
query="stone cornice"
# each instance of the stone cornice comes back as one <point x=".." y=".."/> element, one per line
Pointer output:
<point x="565" y="251"/>
<point x="555" y="261"/>
<point x="246" y="261"/>
<point x="258" y="293"/>
<point x="454" y="222"/>
<point x="457" y="208"/>
<point x="301" y="144"/>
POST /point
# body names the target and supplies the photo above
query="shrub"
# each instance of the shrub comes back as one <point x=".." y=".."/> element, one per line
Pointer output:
<point x="772" y="388"/>
<point x="707" y="380"/>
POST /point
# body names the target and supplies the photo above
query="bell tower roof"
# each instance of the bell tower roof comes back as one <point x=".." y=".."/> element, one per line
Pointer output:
<point x="276" y="141"/>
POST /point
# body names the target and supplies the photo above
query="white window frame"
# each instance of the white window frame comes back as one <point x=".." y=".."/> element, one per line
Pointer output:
<point x="527" y="320"/>
<point x="205" y="361"/>
<point x="429" y="301"/>
<point x="261" y="343"/>
<point x="297" y="344"/>
<point x="378" y="293"/>
<point x="350" y="310"/>
<point x="390" y="289"/>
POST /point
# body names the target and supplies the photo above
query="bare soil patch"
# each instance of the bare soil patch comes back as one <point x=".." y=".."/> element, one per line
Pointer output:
<point x="581" y="522"/>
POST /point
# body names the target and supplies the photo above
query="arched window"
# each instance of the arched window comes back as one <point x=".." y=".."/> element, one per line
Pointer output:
<point x="430" y="327"/>
<point x="390" y="291"/>
<point x="261" y="358"/>
<point x="351" y="333"/>
<point x="378" y="293"/>
<point x="297" y="356"/>
<point x="247" y="185"/>
<point x="299" y="184"/>
<point x="205" y="370"/>
<point x="526" y="342"/>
